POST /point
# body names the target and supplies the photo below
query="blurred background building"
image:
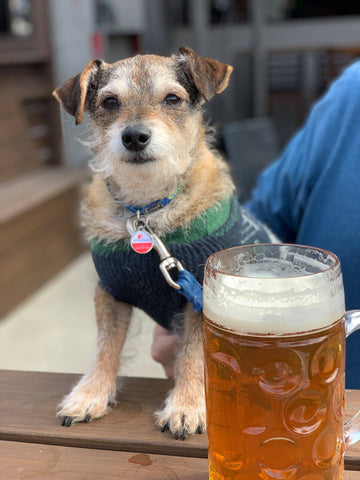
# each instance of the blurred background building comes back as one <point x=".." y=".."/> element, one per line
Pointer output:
<point x="284" y="52"/>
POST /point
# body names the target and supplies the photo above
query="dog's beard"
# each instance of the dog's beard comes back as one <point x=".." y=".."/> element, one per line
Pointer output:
<point x="143" y="175"/>
<point x="99" y="163"/>
<point x="138" y="184"/>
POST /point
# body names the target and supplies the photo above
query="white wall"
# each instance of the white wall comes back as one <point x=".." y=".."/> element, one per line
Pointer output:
<point x="72" y="24"/>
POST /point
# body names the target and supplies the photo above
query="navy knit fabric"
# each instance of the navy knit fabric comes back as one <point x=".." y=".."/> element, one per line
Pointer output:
<point x="136" y="279"/>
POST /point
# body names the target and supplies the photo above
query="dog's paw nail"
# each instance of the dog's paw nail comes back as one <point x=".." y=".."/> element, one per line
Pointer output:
<point x="164" y="427"/>
<point x="69" y="421"/>
<point x="181" y="435"/>
<point x="87" y="418"/>
<point x="66" y="421"/>
<point x="200" y="429"/>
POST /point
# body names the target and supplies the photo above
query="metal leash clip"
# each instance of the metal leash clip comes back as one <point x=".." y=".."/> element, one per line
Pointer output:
<point x="167" y="261"/>
<point x="136" y="224"/>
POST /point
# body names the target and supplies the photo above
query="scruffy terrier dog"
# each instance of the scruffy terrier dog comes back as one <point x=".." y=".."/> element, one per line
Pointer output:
<point x="155" y="176"/>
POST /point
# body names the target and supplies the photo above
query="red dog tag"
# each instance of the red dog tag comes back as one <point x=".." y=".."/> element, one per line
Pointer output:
<point x="141" y="242"/>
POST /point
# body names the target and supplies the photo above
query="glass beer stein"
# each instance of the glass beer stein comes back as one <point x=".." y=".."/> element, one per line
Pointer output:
<point x="275" y="329"/>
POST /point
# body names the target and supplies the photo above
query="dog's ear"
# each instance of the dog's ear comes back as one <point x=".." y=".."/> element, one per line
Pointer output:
<point x="209" y="75"/>
<point x="72" y="94"/>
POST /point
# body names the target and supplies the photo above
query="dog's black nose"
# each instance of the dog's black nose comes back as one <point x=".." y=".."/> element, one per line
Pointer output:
<point x="136" y="137"/>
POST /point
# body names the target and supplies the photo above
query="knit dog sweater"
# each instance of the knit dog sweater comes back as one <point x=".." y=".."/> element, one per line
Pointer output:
<point x="136" y="279"/>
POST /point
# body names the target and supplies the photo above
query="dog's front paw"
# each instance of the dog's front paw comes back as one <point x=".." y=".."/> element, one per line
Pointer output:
<point x="182" y="416"/>
<point x="85" y="403"/>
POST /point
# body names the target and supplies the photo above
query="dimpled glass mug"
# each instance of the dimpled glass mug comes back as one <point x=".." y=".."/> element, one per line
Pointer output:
<point x="275" y="329"/>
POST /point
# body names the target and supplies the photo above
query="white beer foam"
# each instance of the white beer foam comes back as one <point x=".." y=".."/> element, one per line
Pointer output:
<point x="286" y="304"/>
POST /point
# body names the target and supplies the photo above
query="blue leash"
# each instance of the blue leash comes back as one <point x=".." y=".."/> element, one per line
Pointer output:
<point x="190" y="289"/>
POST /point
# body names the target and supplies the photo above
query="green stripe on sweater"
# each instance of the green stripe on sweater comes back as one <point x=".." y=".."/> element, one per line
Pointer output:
<point x="206" y="224"/>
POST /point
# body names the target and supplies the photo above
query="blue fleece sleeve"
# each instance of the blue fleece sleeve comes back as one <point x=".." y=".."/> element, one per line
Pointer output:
<point x="283" y="189"/>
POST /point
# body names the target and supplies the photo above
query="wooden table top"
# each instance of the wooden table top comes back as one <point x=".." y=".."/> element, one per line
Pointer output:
<point x="124" y="445"/>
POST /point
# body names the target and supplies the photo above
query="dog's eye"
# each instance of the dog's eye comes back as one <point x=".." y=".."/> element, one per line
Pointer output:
<point x="110" y="103"/>
<point x="172" y="100"/>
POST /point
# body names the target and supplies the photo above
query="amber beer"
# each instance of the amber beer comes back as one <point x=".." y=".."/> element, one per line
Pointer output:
<point x="274" y="371"/>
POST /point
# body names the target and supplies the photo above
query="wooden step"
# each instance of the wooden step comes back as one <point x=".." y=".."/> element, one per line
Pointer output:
<point x="27" y="126"/>
<point x="40" y="231"/>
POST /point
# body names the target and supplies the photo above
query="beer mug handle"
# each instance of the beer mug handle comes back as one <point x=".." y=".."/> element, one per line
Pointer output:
<point x="352" y="426"/>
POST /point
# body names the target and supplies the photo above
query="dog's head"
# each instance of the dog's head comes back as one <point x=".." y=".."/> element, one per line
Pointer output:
<point x="145" y="110"/>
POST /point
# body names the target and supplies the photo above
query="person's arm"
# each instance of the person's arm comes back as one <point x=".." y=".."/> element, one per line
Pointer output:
<point x="164" y="349"/>
<point x="283" y="189"/>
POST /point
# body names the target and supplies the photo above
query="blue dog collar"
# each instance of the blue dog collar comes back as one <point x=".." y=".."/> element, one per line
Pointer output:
<point x="151" y="207"/>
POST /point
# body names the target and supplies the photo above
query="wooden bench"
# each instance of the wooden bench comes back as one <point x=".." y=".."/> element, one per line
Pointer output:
<point x="40" y="230"/>
<point x="123" y="445"/>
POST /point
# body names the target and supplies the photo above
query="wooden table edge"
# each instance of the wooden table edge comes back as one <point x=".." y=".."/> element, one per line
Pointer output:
<point x="193" y="451"/>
